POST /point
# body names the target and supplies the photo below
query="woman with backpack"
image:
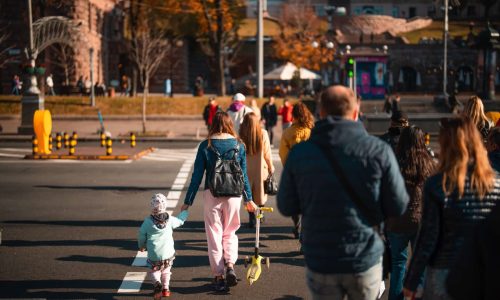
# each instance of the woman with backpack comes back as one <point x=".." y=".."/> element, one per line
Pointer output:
<point x="259" y="162"/>
<point x="224" y="189"/>
<point x="456" y="199"/>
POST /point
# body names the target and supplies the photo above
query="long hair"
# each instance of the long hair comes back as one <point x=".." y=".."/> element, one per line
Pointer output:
<point x="302" y="116"/>
<point x="221" y="123"/>
<point x="474" y="110"/>
<point x="462" y="150"/>
<point x="415" y="162"/>
<point x="251" y="133"/>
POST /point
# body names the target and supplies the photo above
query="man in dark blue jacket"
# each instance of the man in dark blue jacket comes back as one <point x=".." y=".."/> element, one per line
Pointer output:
<point x="342" y="250"/>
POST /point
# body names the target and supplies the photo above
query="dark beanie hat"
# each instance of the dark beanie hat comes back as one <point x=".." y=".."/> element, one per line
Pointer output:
<point x="399" y="116"/>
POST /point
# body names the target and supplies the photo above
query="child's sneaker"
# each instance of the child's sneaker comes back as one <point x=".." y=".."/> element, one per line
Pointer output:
<point x="157" y="291"/>
<point x="231" y="277"/>
<point x="165" y="293"/>
<point x="219" y="284"/>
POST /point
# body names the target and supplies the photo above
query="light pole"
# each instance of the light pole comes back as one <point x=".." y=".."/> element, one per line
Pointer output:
<point x="260" y="50"/>
<point x="92" y="91"/>
<point x="31" y="99"/>
<point x="445" y="43"/>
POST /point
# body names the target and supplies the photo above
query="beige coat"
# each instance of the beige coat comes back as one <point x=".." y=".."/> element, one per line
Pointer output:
<point x="258" y="166"/>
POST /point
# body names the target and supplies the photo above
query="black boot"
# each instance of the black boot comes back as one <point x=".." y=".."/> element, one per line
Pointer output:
<point x="251" y="220"/>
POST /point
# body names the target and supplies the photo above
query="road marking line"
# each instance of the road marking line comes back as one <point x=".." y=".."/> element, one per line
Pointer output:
<point x="180" y="181"/>
<point x="16" y="150"/>
<point x="141" y="259"/>
<point x="132" y="282"/>
<point x="177" y="187"/>
<point x="172" y="203"/>
<point x="182" y="175"/>
<point x="174" y="195"/>
<point x="12" y="155"/>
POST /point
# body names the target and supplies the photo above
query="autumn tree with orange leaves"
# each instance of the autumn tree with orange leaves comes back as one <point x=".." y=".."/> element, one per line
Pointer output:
<point x="300" y="28"/>
<point x="217" y="23"/>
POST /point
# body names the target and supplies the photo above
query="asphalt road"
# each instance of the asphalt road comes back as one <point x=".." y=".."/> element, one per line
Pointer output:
<point x="70" y="231"/>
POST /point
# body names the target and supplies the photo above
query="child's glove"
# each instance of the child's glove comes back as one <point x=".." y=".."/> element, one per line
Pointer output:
<point x="183" y="215"/>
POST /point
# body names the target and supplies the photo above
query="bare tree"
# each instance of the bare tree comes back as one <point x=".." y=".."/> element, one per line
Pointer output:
<point x="4" y="49"/>
<point x="64" y="58"/>
<point x="148" y="49"/>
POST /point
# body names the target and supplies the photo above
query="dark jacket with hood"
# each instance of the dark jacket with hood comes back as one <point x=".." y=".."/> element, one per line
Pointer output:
<point x="337" y="238"/>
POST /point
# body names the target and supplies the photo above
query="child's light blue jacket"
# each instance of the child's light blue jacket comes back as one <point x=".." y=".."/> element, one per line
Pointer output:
<point x="160" y="242"/>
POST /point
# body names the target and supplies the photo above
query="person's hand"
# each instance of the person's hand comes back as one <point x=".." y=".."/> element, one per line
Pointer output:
<point x="409" y="294"/>
<point x="184" y="207"/>
<point x="251" y="206"/>
<point x="271" y="170"/>
<point x="142" y="249"/>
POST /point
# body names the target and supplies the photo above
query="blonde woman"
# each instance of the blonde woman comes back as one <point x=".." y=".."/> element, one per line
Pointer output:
<point x="303" y="122"/>
<point x="259" y="161"/>
<point x="456" y="199"/>
<point x="474" y="110"/>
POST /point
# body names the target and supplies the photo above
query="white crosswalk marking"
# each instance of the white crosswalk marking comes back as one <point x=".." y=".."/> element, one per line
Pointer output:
<point x="132" y="282"/>
<point x="171" y="155"/>
<point x="14" y="152"/>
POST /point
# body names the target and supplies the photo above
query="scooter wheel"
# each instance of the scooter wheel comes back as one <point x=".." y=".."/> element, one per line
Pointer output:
<point x="245" y="261"/>
<point x="268" y="262"/>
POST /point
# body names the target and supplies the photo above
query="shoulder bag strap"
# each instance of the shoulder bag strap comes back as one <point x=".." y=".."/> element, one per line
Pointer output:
<point x="347" y="185"/>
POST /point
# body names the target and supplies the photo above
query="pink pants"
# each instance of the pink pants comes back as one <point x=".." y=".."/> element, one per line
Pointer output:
<point x="162" y="275"/>
<point x="222" y="219"/>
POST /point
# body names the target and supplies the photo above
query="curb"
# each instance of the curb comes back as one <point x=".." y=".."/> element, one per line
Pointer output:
<point x="91" y="157"/>
<point x="113" y="117"/>
<point x="26" y="138"/>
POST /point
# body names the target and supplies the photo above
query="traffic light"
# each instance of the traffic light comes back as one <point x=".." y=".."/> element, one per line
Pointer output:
<point x="350" y="67"/>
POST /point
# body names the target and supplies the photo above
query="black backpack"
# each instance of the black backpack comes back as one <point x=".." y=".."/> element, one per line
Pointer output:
<point x="227" y="176"/>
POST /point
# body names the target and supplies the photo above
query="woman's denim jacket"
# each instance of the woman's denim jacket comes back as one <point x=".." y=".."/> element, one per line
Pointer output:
<point x="205" y="159"/>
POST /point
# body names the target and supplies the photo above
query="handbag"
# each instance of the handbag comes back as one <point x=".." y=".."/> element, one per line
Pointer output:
<point x="270" y="185"/>
<point x="360" y="204"/>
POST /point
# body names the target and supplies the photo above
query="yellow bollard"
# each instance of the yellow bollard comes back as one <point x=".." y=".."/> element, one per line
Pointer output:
<point x="103" y="139"/>
<point x="427" y="139"/>
<point x="66" y="140"/>
<point x="42" y="123"/>
<point x="34" y="143"/>
<point x="75" y="137"/>
<point x="50" y="143"/>
<point x="132" y="140"/>
<point x="109" y="146"/>
<point x="58" y="141"/>
<point x="72" y="145"/>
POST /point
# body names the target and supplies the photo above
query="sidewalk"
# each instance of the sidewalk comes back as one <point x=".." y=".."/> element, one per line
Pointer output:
<point x="170" y="128"/>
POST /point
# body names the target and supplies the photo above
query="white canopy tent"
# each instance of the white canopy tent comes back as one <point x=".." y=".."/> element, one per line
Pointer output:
<point x="285" y="72"/>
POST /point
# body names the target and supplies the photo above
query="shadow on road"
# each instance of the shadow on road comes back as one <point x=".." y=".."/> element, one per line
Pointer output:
<point x="66" y="288"/>
<point x="105" y="188"/>
<point x="122" y="244"/>
<point x="91" y="223"/>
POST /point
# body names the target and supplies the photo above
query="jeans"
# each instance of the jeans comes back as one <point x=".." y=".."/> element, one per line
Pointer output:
<point x="359" y="286"/>
<point x="269" y="130"/>
<point x="399" y="257"/>
<point x="435" y="284"/>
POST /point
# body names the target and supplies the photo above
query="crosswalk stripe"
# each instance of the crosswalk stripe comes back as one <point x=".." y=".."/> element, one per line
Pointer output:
<point x="12" y="155"/>
<point x="132" y="282"/>
<point x="141" y="259"/>
<point x="16" y="150"/>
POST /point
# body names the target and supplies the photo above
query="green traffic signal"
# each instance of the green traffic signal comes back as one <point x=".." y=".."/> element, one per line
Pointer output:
<point x="351" y="61"/>
<point x="350" y="74"/>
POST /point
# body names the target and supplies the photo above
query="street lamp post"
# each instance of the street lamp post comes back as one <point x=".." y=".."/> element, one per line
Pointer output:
<point x="260" y="49"/>
<point x="31" y="99"/>
<point x="92" y="91"/>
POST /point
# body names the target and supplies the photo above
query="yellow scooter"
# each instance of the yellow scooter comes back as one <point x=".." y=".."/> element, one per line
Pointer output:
<point x="256" y="260"/>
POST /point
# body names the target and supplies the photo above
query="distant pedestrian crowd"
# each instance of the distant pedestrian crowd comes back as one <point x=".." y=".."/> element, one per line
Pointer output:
<point x="365" y="209"/>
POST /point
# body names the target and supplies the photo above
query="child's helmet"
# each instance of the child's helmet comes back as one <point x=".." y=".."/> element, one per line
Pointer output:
<point x="158" y="204"/>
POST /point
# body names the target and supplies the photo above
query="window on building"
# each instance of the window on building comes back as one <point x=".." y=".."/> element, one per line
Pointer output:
<point x="412" y="12"/>
<point x="395" y="12"/>
<point x="471" y="11"/>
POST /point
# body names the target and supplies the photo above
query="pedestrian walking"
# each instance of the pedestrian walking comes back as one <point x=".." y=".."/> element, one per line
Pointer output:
<point x="303" y="122"/>
<point x="16" y="85"/>
<point x="474" y="275"/>
<point x="285" y="112"/>
<point x="50" y="84"/>
<point x="209" y="111"/>
<point x="343" y="182"/>
<point x="399" y="120"/>
<point x="493" y="147"/>
<point x="155" y="236"/>
<point x="474" y="110"/>
<point x="392" y="104"/>
<point x="199" y="86"/>
<point x="80" y="85"/>
<point x="259" y="160"/>
<point x="222" y="213"/>
<point x="416" y="165"/>
<point x="255" y="108"/>
<point x="458" y="197"/>
<point x="269" y="114"/>
<point x="237" y="110"/>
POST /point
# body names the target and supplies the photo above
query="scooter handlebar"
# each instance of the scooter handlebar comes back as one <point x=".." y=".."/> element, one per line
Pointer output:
<point x="266" y="209"/>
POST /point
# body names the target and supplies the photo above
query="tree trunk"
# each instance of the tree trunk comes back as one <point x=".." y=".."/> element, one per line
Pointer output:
<point x="144" y="98"/>
<point x="134" y="82"/>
